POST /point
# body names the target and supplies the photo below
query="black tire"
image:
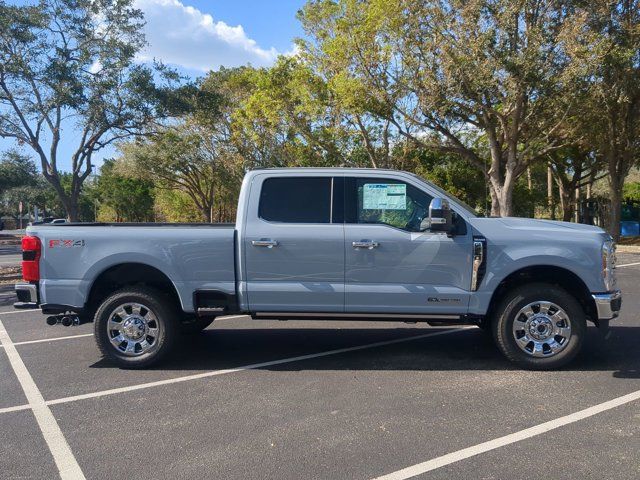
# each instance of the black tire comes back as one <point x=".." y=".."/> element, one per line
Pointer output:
<point x="191" y="324"/>
<point x="520" y="297"/>
<point x="485" y="326"/>
<point x="156" y="304"/>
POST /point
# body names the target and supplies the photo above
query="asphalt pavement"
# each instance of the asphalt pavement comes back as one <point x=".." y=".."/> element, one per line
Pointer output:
<point x="319" y="400"/>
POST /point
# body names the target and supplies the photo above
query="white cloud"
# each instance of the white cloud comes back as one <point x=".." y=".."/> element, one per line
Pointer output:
<point x="183" y="35"/>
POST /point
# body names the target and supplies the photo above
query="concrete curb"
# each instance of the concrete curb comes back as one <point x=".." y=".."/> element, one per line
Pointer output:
<point x="628" y="248"/>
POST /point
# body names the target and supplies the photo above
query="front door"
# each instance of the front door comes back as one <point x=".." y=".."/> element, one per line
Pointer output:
<point x="294" y="246"/>
<point x="392" y="267"/>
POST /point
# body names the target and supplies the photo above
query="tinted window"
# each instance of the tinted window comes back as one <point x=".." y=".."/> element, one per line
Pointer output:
<point x="385" y="201"/>
<point x="296" y="200"/>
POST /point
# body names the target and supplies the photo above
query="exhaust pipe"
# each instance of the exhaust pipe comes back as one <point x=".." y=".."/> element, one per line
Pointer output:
<point x="66" y="320"/>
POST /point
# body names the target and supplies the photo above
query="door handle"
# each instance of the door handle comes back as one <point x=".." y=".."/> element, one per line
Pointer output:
<point x="264" y="242"/>
<point x="368" y="244"/>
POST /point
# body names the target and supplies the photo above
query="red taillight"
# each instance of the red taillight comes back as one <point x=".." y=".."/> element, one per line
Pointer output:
<point x="31" y="248"/>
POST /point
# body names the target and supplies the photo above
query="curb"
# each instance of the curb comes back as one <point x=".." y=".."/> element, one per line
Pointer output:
<point x="628" y="248"/>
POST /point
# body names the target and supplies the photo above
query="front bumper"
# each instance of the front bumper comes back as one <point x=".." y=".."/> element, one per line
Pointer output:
<point x="27" y="296"/>
<point x="608" y="304"/>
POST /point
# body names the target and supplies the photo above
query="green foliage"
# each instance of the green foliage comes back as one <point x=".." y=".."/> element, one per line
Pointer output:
<point x="16" y="170"/>
<point x="72" y="63"/>
<point x="122" y="198"/>
<point x="176" y="206"/>
<point x="631" y="191"/>
<point x="453" y="175"/>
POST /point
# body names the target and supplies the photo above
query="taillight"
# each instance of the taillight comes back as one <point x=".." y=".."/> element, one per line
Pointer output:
<point x="31" y="248"/>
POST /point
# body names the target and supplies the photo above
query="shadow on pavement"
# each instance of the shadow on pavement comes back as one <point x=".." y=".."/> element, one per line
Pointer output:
<point x="469" y="349"/>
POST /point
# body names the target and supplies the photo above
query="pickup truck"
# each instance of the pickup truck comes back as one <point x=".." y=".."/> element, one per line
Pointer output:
<point x="336" y="243"/>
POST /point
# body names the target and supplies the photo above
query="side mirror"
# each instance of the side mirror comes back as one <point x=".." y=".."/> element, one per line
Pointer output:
<point x="439" y="219"/>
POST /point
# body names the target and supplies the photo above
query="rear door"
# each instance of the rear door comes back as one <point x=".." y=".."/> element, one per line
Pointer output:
<point x="392" y="267"/>
<point x="294" y="244"/>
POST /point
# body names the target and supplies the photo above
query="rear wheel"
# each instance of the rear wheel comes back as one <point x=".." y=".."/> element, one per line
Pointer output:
<point x="135" y="327"/>
<point x="539" y="326"/>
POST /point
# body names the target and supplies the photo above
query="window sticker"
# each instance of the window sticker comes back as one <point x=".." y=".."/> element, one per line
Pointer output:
<point x="383" y="196"/>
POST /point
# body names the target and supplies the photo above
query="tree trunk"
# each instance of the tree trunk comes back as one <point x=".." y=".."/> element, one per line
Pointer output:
<point x="577" y="205"/>
<point x="550" y="202"/>
<point x="615" y="195"/>
<point x="506" y="201"/>
<point x="566" y="202"/>
<point x="495" y="202"/>
<point x="71" y="206"/>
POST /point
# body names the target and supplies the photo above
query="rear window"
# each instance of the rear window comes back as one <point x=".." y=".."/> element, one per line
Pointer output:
<point x="296" y="200"/>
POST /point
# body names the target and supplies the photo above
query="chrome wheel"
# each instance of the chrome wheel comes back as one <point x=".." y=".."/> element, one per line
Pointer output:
<point x="542" y="329"/>
<point x="133" y="329"/>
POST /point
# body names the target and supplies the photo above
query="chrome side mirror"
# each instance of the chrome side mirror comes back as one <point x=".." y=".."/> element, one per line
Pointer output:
<point x="439" y="216"/>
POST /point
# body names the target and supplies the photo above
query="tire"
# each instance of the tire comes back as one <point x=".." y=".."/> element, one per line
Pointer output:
<point x="539" y="326"/>
<point x="136" y="327"/>
<point x="192" y="324"/>
<point x="485" y="326"/>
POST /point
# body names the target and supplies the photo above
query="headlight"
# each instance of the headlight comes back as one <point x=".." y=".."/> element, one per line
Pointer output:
<point x="609" y="264"/>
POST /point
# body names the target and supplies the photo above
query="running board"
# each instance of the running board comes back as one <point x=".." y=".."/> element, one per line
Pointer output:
<point x="358" y="316"/>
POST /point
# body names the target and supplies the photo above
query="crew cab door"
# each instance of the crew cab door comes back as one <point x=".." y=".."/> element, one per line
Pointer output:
<point x="392" y="267"/>
<point x="293" y="245"/>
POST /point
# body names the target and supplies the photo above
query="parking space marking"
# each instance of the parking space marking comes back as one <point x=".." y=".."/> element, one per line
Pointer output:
<point x="534" y="431"/>
<point x="253" y="366"/>
<point x="17" y="408"/>
<point x="53" y="339"/>
<point x="20" y="311"/>
<point x="65" y="461"/>
<point x="628" y="264"/>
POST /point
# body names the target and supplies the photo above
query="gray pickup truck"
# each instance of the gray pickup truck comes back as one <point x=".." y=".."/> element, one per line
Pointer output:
<point x="339" y="244"/>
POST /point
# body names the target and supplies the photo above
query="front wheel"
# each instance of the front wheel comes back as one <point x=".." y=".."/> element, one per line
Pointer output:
<point x="539" y="326"/>
<point x="135" y="327"/>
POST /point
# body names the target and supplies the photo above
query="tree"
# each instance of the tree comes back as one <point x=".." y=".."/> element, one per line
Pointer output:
<point x="480" y="79"/>
<point x="184" y="157"/>
<point x="606" y="52"/>
<point x="287" y="118"/>
<point x="128" y="199"/>
<point x="16" y="170"/>
<point x="573" y="168"/>
<point x="69" y="64"/>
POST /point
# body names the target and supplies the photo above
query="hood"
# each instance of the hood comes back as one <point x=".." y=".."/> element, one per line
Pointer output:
<point x="525" y="225"/>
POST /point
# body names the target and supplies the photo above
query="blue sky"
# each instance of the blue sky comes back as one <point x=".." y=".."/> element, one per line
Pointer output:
<point x="196" y="36"/>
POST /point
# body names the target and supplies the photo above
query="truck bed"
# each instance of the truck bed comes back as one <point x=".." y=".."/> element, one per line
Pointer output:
<point x="192" y="256"/>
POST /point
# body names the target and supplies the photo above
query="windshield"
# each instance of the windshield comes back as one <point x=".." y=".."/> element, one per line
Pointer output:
<point x="471" y="211"/>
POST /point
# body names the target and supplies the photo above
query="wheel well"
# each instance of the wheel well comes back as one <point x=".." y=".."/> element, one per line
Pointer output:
<point x="566" y="279"/>
<point x="128" y="274"/>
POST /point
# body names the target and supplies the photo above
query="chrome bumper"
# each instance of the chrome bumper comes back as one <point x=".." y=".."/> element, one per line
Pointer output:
<point x="27" y="296"/>
<point x="608" y="304"/>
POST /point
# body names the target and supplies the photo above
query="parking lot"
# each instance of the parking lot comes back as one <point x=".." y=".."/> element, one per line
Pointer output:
<point x="319" y="400"/>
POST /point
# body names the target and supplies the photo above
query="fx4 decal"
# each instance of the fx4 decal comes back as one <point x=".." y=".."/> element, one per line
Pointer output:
<point x="66" y="243"/>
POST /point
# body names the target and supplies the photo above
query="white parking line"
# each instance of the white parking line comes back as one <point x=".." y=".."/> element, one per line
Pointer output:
<point x="21" y="311"/>
<point x="67" y="464"/>
<point x="628" y="264"/>
<point x="254" y="366"/>
<point x="17" y="408"/>
<point x="53" y="339"/>
<point x="454" y="457"/>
